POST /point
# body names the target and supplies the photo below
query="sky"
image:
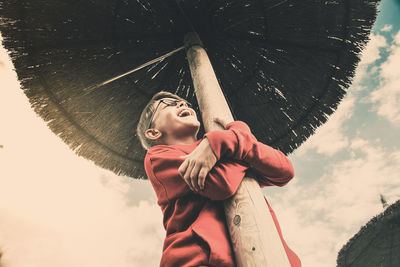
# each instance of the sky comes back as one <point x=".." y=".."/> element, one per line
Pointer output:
<point x="58" y="209"/>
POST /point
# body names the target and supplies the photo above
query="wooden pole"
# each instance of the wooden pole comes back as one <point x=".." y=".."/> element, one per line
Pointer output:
<point x="253" y="233"/>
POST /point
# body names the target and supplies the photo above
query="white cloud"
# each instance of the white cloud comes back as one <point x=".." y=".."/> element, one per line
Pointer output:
<point x="329" y="138"/>
<point x="119" y="237"/>
<point x="387" y="97"/>
<point x="370" y="54"/>
<point x="331" y="210"/>
<point x="387" y="28"/>
<point x="56" y="209"/>
<point x="4" y="59"/>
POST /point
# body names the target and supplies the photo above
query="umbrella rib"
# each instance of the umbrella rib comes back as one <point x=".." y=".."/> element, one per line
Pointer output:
<point x="165" y="76"/>
<point x="276" y="5"/>
<point x="252" y="17"/>
<point x="167" y="72"/>
<point x="252" y="74"/>
<point x="222" y="75"/>
<point x="185" y="16"/>
<point x="345" y="32"/>
<point x="116" y="47"/>
<point x="71" y="43"/>
<point x="260" y="2"/>
<point x="261" y="40"/>
<point x="54" y="99"/>
<point x="249" y="78"/>
<point x="161" y="58"/>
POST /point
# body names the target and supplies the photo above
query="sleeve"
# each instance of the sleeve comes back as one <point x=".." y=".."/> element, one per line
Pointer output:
<point x="221" y="182"/>
<point x="237" y="142"/>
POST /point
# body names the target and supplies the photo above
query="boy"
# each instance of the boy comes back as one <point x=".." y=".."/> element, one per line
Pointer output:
<point x="191" y="177"/>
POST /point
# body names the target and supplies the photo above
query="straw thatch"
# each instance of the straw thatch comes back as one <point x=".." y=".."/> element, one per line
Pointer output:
<point x="283" y="65"/>
<point x="376" y="244"/>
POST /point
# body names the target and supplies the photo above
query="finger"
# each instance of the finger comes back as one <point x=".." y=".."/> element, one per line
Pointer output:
<point x="194" y="176"/>
<point x="202" y="177"/>
<point x="187" y="175"/>
<point x="183" y="167"/>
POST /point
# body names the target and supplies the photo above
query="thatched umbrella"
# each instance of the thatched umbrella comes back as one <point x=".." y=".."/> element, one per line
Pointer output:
<point x="283" y="65"/>
<point x="376" y="244"/>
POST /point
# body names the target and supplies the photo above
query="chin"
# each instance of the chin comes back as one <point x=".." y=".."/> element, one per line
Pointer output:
<point x="190" y="128"/>
<point x="193" y="122"/>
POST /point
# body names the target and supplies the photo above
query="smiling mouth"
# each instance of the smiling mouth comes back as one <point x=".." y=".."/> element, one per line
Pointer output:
<point x="185" y="113"/>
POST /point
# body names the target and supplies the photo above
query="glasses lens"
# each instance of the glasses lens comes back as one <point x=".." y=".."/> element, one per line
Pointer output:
<point x="170" y="102"/>
<point x="174" y="102"/>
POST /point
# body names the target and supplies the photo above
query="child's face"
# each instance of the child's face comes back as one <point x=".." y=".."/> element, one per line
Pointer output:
<point x="175" y="121"/>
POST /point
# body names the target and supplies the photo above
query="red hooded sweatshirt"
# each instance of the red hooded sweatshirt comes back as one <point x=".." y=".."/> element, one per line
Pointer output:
<point x="196" y="232"/>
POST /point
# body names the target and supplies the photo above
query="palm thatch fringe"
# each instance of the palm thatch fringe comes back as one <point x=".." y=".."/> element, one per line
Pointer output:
<point x="284" y="86"/>
<point x="355" y="252"/>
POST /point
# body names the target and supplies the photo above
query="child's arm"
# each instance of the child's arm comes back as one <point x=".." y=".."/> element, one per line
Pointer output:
<point x="197" y="164"/>
<point x="237" y="142"/>
<point x="162" y="169"/>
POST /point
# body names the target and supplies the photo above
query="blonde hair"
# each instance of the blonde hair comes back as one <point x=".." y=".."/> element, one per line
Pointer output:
<point x="147" y="114"/>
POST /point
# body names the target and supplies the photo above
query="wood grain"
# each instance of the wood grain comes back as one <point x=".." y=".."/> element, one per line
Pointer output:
<point x="253" y="233"/>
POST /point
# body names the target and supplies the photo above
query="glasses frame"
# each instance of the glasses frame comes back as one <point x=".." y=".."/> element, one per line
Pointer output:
<point x="170" y="102"/>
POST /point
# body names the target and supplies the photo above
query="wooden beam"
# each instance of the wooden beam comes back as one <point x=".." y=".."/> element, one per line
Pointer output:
<point x="253" y="233"/>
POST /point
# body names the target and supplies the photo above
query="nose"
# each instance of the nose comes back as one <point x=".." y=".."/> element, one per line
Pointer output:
<point x="182" y="103"/>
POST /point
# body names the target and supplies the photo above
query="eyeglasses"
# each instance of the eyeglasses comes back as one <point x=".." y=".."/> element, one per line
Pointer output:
<point x="167" y="102"/>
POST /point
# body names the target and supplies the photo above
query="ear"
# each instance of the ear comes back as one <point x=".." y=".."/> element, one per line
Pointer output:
<point x="153" y="134"/>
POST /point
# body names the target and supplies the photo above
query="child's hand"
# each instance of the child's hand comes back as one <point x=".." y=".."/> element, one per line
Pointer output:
<point x="197" y="164"/>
